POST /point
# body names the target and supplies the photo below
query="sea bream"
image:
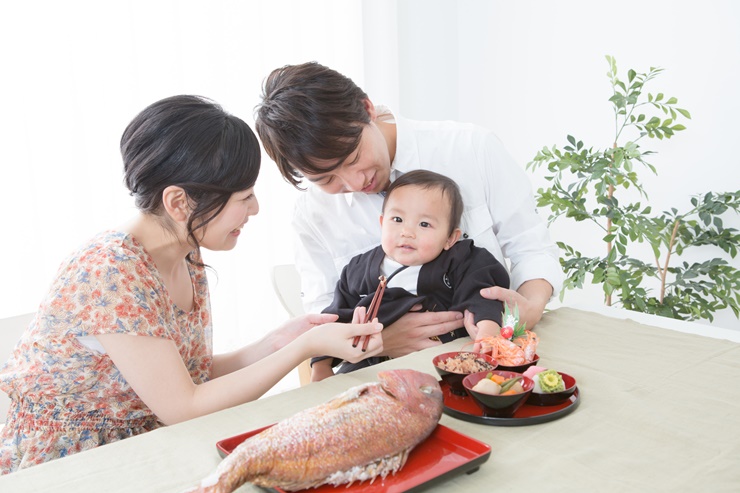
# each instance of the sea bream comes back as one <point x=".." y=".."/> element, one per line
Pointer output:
<point x="364" y="432"/>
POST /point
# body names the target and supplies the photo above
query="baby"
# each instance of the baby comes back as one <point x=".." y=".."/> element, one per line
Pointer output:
<point x="423" y="262"/>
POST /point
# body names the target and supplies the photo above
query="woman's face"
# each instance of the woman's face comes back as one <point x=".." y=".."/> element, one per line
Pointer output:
<point x="366" y="170"/>
<point x="222" y="233"/>
<point x="415" y="225"/>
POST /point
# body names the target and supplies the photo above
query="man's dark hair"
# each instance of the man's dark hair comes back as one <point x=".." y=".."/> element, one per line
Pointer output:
<point x="310" y="113"/>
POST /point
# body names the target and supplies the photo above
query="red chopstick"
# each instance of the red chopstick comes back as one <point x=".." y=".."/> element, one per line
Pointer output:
<point x="372" y="312"/>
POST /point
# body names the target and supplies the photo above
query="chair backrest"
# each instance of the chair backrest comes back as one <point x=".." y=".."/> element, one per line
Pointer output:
<point x="287" y="284"/>
<point x="10" y="331"/>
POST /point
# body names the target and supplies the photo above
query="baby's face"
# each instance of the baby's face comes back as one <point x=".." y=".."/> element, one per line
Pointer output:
<point x="415" y="225"/>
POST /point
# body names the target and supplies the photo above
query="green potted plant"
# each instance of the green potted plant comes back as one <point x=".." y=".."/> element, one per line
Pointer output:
<point x="602" y="188"/>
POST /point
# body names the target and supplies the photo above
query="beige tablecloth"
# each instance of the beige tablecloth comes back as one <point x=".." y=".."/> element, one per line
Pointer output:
<point x="659" y="411"/>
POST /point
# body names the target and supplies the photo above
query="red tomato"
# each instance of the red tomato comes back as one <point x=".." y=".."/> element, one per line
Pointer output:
<point x="507" y="332"/>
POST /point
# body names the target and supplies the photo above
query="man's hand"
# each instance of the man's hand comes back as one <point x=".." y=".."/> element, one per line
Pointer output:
<point x="531" y="298"/>
<point x="413" y="331"/>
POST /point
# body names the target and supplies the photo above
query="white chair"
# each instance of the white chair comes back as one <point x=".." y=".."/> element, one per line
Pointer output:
<point x="287" y="285"/>
<point x="10" y="331"/>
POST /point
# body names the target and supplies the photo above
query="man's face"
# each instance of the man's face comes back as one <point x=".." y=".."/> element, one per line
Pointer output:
<point x="366" y="170"/>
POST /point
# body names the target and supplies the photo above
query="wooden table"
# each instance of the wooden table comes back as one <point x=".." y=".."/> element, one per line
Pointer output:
<point x="659" y="411"/>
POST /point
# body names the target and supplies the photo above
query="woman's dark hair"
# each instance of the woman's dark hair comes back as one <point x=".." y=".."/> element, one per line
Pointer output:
<point x="431" y="180"/>
<point x="309" y="112"/>
<point x="192" y="143"/>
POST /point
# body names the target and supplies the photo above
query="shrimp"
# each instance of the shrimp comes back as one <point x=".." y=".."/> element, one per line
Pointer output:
<point x="512" y="353"/>
<point x="528" y="345"/>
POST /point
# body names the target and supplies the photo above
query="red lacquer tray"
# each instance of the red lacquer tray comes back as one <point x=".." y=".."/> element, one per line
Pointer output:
<point x="465" y="408"/>
<point x="445" y="453"/>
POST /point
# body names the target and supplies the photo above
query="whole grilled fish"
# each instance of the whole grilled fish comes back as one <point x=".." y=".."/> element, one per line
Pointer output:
<point x="364" y="432"/>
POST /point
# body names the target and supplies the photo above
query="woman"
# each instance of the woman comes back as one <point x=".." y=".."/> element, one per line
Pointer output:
<point x="77" y="379"/>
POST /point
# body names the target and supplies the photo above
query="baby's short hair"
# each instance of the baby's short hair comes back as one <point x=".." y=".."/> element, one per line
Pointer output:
<point x="431" y="180"/>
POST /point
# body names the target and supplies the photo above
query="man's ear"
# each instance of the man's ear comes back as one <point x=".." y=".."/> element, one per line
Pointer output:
<point x="452" y="239"/>
<point x="175" y="202"/>
<point x="370" y="108"/>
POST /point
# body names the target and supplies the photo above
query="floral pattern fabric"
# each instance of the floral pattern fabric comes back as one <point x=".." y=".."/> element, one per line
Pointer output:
<point x="66" y="397"/>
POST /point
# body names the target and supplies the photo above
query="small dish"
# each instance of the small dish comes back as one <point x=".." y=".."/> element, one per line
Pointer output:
<point x="466" y="409"/>
<point x="499" y="406"/>
<point x="453" y="379"/>
<point x="554" y="398"/>
<point x="519" y="368"/>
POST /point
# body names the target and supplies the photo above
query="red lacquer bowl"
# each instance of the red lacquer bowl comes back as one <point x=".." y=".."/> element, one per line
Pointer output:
<point x="498" y="406"/>
<point x="453" y="379"/>
<point x="554" y="398"/>
<point x="519" y="368"/>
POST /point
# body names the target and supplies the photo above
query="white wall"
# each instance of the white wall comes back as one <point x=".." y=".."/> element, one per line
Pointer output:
<point x="74" y="73"/>
<point x="535" y="71"/>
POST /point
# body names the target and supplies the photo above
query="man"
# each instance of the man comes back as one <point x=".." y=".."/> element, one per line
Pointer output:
<point x="317" y="124"/>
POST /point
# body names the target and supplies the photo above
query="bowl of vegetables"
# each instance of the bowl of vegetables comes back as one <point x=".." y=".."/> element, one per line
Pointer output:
<point x="551" y="387"/>
<point x="456" y="365"/>
<point x="498" y="393"/>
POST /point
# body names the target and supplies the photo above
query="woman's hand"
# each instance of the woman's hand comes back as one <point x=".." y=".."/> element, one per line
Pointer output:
<point x="338" y="339"/>
<point x="154" y="368"/>
<point x="297" y="326"/>
<point x="413" y="331"/>
<point x="273" y="341"/>
<point x="531" y="298"/>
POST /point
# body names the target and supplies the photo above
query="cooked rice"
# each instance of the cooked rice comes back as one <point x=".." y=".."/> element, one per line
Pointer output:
<point x="465" y="363"/>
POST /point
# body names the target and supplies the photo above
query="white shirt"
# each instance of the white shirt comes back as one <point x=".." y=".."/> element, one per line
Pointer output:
<point x="500" y="212"/>
<point x="407" y="279"/>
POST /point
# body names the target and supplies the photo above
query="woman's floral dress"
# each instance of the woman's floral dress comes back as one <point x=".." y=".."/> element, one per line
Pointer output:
<point x="66" y="397"/>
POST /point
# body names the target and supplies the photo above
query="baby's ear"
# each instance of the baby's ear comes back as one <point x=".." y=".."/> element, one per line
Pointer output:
<point x="381" y="220"/>
<point x="452" y="239"/>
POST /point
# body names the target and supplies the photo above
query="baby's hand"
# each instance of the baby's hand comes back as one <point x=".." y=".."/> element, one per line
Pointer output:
<point x="486" y="329"/>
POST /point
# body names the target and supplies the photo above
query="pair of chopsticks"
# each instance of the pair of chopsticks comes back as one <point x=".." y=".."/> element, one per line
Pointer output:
<point x="372" y="311"/>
